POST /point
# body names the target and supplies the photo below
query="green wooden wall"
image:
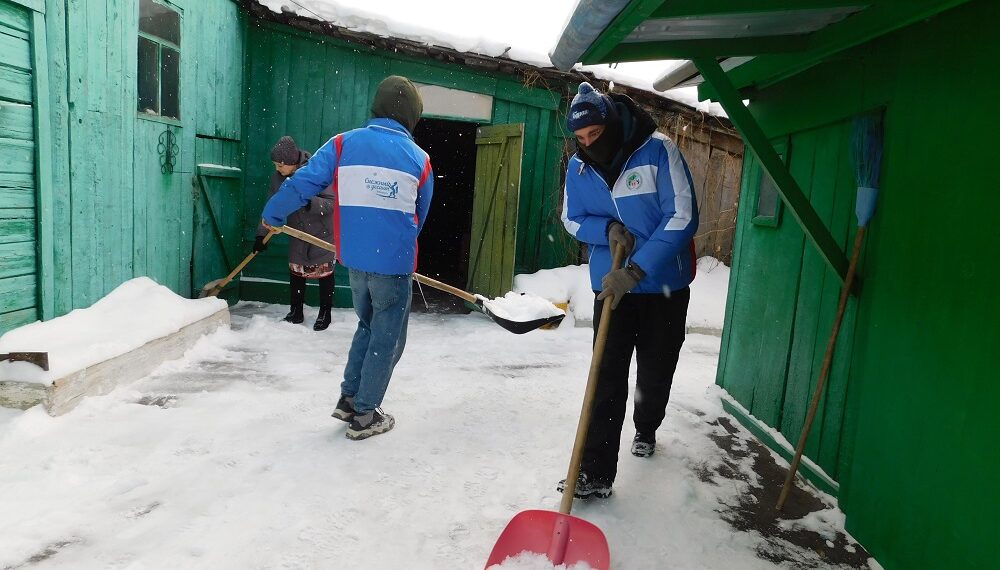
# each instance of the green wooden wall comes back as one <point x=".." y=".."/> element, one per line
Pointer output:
<point x="20" y="301"/>
<point x="312" y="87"/>
<point x="116" y="215"/>
<point x="908" y="426"/>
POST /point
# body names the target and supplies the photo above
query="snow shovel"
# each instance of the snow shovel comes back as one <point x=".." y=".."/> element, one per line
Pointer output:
<point x="39" y="359"/>
<point x="516" y="327"/>
<point x="561" y="537"/>
<point x="213" y="288"/>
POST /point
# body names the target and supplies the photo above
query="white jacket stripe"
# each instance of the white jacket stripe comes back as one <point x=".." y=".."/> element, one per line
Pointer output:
<point x="682" y="189"/>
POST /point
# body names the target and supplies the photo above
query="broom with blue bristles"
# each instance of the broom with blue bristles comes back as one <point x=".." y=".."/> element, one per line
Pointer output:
<point x="866" y="153"/>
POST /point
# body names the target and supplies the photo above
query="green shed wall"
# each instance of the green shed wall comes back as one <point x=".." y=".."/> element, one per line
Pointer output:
<point x="908" y="426"/>
<point x="114" y="215"/>
<point x="312" y="87"/>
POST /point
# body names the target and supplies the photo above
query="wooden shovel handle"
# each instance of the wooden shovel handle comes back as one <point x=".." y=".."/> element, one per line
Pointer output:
<point x="446" y="288"/>
<point x="245" y="261"/>
<point x="588" y="398"/>
<point x="422" y="279"/>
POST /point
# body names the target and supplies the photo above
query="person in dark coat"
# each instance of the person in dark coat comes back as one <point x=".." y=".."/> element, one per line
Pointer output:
<point x="629" y="185"/>
<point x="305" y="261"/>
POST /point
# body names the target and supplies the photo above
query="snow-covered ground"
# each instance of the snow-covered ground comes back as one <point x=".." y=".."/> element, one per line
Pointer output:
<point x="229" y="458"/>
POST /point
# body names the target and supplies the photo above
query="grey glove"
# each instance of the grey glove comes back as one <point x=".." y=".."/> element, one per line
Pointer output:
<point x="618" y="234"/>
<point x="620" y="281"/>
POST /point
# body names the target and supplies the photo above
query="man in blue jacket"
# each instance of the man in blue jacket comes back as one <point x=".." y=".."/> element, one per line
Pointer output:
<point x="628" y="184"/>
<point x="382" y="182"/>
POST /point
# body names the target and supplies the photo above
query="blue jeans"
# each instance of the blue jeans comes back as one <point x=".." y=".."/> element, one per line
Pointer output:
<point x="382" y="303"/>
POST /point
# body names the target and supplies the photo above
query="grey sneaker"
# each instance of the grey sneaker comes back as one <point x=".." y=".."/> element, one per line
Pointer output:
<point x="644" y="444"/>
<point x="345" y="409"/>
<point x="372" y="423"/>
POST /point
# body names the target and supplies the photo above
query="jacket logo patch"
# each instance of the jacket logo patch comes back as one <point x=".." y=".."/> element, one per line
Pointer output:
<point x="383" y="188"/>
<point x="633" y="181"/>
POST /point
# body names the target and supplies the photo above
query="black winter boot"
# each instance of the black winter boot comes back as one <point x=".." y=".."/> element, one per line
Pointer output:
<point x="324" y="318"/>
<point x="297" y="290"/>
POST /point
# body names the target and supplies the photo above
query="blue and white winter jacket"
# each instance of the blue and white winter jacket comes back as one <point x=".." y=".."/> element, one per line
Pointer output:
<point x="654" y="198"/>
<point x="382" y="183"/>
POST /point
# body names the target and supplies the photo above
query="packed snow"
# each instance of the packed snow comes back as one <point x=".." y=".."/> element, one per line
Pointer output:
<point x="504" y="32"/>
<point x="521" y="307"/>
<point x="707" y="307"/>
<point x="134" y="313"/>
<point x="228" y="458"/>
<point x="531" y="561"/>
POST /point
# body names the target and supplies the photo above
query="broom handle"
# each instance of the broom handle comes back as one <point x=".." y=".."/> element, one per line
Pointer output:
<point x="588" y="398"/>
<point x="825" y="370"/>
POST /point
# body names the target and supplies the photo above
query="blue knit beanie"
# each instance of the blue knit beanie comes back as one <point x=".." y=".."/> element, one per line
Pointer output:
<point x="589" y="107"/>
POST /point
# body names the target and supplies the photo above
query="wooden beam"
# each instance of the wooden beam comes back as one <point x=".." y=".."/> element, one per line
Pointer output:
<point x="635" y="13"/>
<point x="876" y="21"/>
<point x="696" y="8"/>
<point x="759" y="144"/>
<point x="43" y="171"/>
<point x="690" y="49"/>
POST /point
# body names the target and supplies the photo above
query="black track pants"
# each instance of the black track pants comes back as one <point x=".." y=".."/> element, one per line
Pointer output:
<point x="653" y="327"/>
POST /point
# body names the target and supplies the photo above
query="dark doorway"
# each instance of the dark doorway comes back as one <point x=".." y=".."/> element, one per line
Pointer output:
<point x="444" y="241"/>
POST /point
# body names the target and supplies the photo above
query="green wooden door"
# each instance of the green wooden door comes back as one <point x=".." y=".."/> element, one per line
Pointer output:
<point x="494" y="209"/>
<point x="18" y="207"/>
<point x="218" y="220"/>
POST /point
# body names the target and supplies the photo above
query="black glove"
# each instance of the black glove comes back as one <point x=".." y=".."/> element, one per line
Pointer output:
<point x="308" y="205"/>
<point x="258" y="244"/>
<point x="617" y="234"/>
<point x="620" y="281"/>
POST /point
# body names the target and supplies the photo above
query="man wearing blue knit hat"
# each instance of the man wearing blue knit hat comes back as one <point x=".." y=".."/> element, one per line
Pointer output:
<point x="628" y="185"/>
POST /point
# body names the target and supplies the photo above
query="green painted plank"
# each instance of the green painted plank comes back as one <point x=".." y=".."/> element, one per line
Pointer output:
<point x="15" y="52"/>
<point x="16" y="121"/>
<point x="46" y="222"/>
<point x="17" y="229"/>
<point x="432" y="73"/>
<point x="56" y="60"/>
<point x="817" y="148"/>
<point x="15" y="319"/>
<point x="17" y="293"/>
<point x="757" y="141"/>
<point x="15" y="85"/>
<point x="17" y="156"/>
<point x="517" y="92"/>
<point x="17" y="259"/>
<point x="15" y="17"/>
<point x="17" y="190"/>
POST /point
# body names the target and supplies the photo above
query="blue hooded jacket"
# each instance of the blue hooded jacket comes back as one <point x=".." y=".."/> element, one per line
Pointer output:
<point x="382" y="184"/>
<point x="653" y="198"/>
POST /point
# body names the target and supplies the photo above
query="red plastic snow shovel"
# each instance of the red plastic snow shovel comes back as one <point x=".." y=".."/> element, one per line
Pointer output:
<point x="561" y="537"/>
<point x="516" y="327"/>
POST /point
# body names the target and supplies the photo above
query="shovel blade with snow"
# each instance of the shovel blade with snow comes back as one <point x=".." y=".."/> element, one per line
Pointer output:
<point x="563" y="539"/>
<point x="39" y="359"/>
<point x="516" y="327"/>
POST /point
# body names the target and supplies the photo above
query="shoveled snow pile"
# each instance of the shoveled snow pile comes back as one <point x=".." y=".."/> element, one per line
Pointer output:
<point x="561" y="285"/>
<point x="707" y="308"/>
<point x="521" y="307"/>
<point x="532" y="561"/>
<point x="136" y="312"/>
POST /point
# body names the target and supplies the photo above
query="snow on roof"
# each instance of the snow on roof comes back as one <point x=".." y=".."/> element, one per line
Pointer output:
<point x="522" y="30"/>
